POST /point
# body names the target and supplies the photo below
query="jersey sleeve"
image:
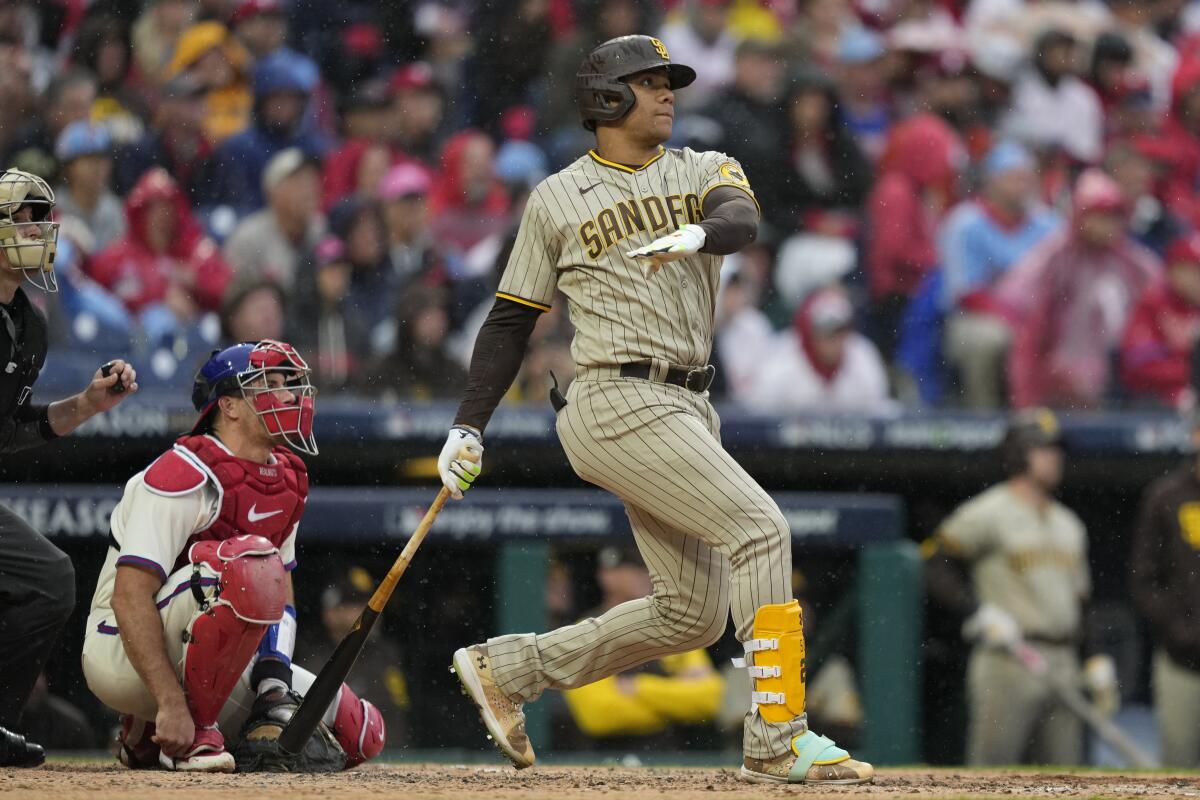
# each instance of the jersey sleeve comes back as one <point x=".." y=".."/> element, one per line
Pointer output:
<point x="156" y="527"/>
<point x="287" y="553"/>
<point x="718" y="169"/>
<point x="969" y="531"/>
<point x="532" y="272"/>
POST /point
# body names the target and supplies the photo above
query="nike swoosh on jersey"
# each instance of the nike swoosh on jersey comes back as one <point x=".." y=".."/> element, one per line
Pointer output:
<point x="254" y="516"/>
<point x="583" y="191"/>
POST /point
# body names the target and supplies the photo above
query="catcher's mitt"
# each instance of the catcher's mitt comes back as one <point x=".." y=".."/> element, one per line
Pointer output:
<point x="258" y="748"/>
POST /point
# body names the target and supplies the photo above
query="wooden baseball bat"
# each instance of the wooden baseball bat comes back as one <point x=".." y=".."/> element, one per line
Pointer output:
<point x="333" y="674"/>
<point x="1079" y="705"/>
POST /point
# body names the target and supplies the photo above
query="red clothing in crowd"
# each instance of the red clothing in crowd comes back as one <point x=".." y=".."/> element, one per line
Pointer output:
<point x="1177" y="149"/>
<point x="139" y="275"/>
<point x="916" y="184"/>
<point x="1069" y="300"/>
<point x="1071" y="303"/>
<point x="457" y="218"/>
<point x="1156" y="353"/>
<point x="339" y="173"/>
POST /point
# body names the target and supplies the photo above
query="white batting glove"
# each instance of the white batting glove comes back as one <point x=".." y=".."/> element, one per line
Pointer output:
<point x="682" y="243"/>
<point x="1100" y="679"/>
<point x="461" y="460"/>
<point x="992" y="626"/>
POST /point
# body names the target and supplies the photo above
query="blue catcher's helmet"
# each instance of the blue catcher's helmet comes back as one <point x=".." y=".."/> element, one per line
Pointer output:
<point x="218" y="376"/>
<point x="286" y="411"/>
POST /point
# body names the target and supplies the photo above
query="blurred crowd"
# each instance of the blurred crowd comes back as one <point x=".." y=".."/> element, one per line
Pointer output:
<point x="966" y="203"/>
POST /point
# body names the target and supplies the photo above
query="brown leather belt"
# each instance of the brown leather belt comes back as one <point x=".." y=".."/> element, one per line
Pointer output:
<point x="694" y="379"/>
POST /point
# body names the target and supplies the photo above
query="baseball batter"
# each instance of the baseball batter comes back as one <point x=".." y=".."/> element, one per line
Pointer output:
<point x="633" y="235"/>
<point x="192" y="625"/>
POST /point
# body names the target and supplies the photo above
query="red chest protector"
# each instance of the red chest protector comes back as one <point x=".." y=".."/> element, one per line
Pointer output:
<point x="262" y="499"/>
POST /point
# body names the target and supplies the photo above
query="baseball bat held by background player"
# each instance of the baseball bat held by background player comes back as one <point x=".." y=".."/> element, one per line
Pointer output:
<point x="1071" y="697"/>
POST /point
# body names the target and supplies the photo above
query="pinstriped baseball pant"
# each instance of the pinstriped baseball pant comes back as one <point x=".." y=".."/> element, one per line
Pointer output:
<point x="712" y="538"/>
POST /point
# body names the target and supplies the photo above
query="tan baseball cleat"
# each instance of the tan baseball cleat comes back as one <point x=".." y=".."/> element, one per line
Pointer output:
<point x="814" y="760"/>
<point x="501" y="714"/>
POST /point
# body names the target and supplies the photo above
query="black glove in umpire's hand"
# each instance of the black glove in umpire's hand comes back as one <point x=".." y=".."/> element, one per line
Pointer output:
<point x="258" y="748"/>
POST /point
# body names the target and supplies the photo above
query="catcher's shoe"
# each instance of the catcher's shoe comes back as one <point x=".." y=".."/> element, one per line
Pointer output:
<point x="207" y="754"/>
<point x="814" y="760"/>
<point x="501" y="714"/>
<point x="16" y="752"/>
<point x="135" y="743"/>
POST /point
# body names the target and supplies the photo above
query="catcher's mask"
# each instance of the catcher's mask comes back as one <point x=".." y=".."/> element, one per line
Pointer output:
<point x="286" y="410"/>
<point x="28" y="234"/>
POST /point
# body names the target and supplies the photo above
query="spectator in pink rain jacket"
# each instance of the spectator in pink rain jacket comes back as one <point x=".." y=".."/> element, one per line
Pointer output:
<point x="1071" y="298"/>
<point x="1156" y="354"/>
<point x="916" y="184"/>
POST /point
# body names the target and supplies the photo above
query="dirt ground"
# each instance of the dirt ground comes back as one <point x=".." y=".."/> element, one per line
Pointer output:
<point x="67" y="781"/>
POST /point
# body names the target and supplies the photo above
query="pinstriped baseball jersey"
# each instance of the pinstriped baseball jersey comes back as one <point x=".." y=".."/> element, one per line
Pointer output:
<point x="577" y="227"/>
<point x="1031" y="563"/>
<point x="713" y="539"/>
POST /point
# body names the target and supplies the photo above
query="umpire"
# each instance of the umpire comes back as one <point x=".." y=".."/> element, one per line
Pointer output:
<point x="37" y="581"/>
<point x="1164" y="579"/>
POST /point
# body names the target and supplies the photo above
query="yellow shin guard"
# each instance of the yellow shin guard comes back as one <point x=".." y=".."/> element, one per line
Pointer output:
<point x="777" y="661"/>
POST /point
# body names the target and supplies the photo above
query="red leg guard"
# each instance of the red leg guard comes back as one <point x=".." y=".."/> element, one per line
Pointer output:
<point x="252" y="576"/>
<point x="223" y="639"/>
<point x="359" y="727"/>
<point x="219" y="648"/>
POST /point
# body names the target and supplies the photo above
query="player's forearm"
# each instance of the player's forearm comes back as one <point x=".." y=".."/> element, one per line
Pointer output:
<point x="730" y="221"/>
<point x="142" y="635"/>
<point x="496" y="360"/>
<point x="66" y="415"/>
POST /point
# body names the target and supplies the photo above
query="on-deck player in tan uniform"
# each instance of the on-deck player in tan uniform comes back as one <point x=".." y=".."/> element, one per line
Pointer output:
<point x="1013" y="563"/>
<point x="634" y="235"/>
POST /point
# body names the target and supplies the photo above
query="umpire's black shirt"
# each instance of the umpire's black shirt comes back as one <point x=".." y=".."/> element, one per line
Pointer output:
<point x="22" y="356"/>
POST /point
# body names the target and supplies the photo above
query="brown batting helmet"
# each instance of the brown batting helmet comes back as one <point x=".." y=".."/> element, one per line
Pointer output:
<point x="601" y="93"/>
